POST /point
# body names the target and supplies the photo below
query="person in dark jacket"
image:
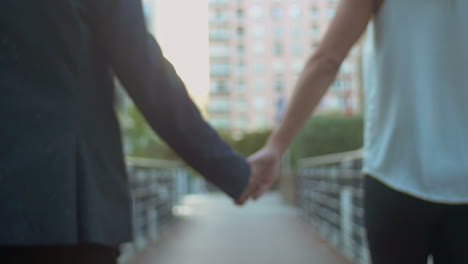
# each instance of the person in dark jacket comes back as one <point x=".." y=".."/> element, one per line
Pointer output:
<point x="64" y="194"/>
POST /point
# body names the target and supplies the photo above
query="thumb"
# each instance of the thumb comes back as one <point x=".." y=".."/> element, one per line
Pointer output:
<point x="261" y="190"/>
<point x="252" y="185"/>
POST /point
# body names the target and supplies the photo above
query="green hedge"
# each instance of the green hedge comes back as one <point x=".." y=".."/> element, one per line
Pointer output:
<point x="321" y="135"/>
<point x="324" y="135"/>
<point x="250" y="142"/>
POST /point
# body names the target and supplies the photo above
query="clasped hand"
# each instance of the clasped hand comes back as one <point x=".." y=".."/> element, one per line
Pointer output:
<point x="265" y="170"/>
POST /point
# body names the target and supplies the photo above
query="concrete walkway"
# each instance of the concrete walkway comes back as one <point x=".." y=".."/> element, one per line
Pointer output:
<point x="213" y="231"/>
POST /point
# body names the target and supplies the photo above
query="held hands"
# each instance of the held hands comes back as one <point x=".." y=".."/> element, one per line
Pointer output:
<point x="265" y="169"/>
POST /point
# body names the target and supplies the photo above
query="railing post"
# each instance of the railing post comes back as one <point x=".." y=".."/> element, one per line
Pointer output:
<point x="156" y="187"/>
<point x="330" y="195"/>
<point x="346" y="221"/>
<point x="182" y="183"/>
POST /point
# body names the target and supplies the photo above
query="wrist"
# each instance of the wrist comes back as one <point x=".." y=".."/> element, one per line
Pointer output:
<point x="276" y="146"/>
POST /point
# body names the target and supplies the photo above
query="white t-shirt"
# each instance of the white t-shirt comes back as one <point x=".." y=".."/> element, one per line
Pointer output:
<point x="416" y="86"/>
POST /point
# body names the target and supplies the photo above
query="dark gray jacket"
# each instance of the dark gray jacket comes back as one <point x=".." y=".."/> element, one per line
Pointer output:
<point x="62" y="175"/>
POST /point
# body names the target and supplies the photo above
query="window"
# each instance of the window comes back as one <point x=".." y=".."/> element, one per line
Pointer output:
<point x="219" y="2"/>
<point x="259" y="103"/>
<point x="241" y="122"/>
<point x="240" y="49"/>
<point x="258" y="49"/>
<point x="296" y="32"/>
<point x="240" y="68"/>
<point x="242" y="104"/>
<point x="219" y="16"/>
<point x="315" y="30"/>
<point x="314" y="46"/>
<point x="259" y="68"/>
<point x="347" y="67"/>
<point x="240" y="13"/>
<point x="221" y="123"/>
<point x="259" y="85"/>
<point x="297" y="66"/>
<point x="218" y="33"/>
<point x="314" y="12"/>
<point x="278" y="32"/>
<point x="219" y="69"/>
<point x="338" y="85"/>
<point x="331" y="102"/>
<point x="280" y="107"/>
<point x="279" y="85"/>
<point x="277" y="13"/>
<point x="241" y="86"/>
<point x="218" y="86"/>
<point x="297" y="49"/>
<point x="260" y="122"/>
<point x="278" y="67"/>
<point x="331" y="12"/>
<point x="355" y="51"/>
<point x="256" y="12"/>
<point x="278" y="49"/>
<point x="219" y="50"/>
<point x="258" y="31"/>
<point x="240" y="31"/>
<point x="295" y="12"/>
<point x="219" y="105"/>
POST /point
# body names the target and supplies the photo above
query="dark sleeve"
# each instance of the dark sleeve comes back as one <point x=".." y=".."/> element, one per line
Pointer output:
<point x="160" y="94"/>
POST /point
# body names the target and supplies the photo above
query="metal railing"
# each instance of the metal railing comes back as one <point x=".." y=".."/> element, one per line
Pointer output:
<point x="330" y="196"/>
<point x="157" y="187"/>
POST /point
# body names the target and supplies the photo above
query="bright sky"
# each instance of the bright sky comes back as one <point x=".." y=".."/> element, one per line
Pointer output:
<point x="181" y="27"/>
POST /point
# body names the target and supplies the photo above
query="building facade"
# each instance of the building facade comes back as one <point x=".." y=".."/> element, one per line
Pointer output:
<point x="258" y="49"/>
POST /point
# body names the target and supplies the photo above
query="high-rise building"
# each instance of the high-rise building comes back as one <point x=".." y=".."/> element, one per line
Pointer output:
<point x="257" y="50"/>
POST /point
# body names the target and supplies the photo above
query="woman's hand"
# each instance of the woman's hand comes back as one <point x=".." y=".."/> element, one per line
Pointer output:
<point x="266" y="166"/>
<point x="265" y="169"/>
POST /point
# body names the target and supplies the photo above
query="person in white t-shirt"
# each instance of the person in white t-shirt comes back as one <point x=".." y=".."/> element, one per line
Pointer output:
<point x="416" y="134"/>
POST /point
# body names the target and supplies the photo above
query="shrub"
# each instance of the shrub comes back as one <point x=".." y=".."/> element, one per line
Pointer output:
<point x="324" y="135"/>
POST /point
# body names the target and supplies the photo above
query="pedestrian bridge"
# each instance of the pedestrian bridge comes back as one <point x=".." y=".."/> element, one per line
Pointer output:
<point x="315" y="216"/>
<point x="211" y="230"/>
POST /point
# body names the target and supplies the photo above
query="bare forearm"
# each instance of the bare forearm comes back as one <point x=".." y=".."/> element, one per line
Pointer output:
<point x="348" y="25"/>
<point x="313" y="83"/>
<point x="345" y="29"/>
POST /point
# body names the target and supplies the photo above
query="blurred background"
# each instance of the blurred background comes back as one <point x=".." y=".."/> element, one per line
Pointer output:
<point x="240" y="60"/>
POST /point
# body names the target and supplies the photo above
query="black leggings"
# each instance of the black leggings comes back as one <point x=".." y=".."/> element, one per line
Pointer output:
<point x="402" y="229"/>
<point x="79" y="254"/>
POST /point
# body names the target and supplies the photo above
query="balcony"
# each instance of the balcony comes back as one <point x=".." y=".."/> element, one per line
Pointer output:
<point x="219" y="2"/>
<point x="216" y="109"/>
<point x="220" y="35"/>
<point x="220" y="70"/>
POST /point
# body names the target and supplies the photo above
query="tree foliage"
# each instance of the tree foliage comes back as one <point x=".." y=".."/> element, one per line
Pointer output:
<point x="139" y="138"/>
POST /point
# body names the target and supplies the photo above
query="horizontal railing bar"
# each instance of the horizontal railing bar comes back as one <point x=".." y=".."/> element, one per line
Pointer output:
<point x="330" y="159"/>
<point x="153" y="163"/>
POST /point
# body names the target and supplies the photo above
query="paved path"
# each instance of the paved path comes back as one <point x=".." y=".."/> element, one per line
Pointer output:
<point x="213" y="231"/>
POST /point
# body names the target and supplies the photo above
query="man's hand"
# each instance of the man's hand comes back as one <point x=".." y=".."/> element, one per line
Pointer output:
<point x="265" y="169"/>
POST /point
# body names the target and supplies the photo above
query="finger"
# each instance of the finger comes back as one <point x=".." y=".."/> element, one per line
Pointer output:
<point x="248" y="192"/>
<point x="241" y="201"/>
<point x="261" y="190"/>
<point x="245" y="196"/>
<point x="249" y="189"/>
<point x="258" y="193"/>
